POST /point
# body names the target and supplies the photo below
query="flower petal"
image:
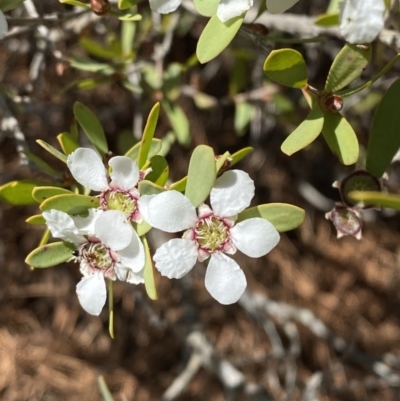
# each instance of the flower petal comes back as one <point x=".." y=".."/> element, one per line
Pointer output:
<point x="113" y="229"/>
<point x="361" y="20"/>
<point x="85" y="225"/>
<point x="88" y="169"/>
<point x="143" y="205"/>
<point x="128" y="275"/>
<point x="133" y="255"/>
<point x="255" y="237"/>
<point x="171" y="212"/>
<point x="125" y="172"/>
<point x="3" y="26"/>
<point x="228" y="9"/>
<point x="225" y="280"/>
<point x="62" y="226"/>
<point x="164" y="6"/>
<point x="92" y="293"/>
<point x="232" y="193"/>
<point x="280" y="6"/>
<point x="176" y="257"/>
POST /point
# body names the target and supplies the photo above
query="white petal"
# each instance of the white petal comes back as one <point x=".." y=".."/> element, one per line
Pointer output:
<point x="143" y="205"/>
<point x="225" y="280"/>
<point x="361" y="20"/>
<point x="164" y="6"/>
<point x="228" y="9"/>
<point x="171" y="211"/>
<point x="125" y="172"/>
<point x="135" y="278"/>
<point x="88" y="169"/>
<point x="113" y="229"/>
<point x="280" y="6"/>
<point x="62" y="226"/>
<point x="85" y="225"/>
<point x="176" y="257"/>
<point x="133" y="255"/>
<point x="232" y="193"/>
<point x="255" y="237"/>
<point x="3" y="26"/>
<point x="92" y="293"/>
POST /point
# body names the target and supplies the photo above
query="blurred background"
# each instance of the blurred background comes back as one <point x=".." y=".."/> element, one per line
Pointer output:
<point x="320" y="319"/>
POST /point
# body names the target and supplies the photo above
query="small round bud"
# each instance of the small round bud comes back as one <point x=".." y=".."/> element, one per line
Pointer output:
<point x="332" y="103"/>
<point x="100" y="7"/>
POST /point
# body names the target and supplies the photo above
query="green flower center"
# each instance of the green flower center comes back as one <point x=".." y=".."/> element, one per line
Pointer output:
<point x="119" y="200"/>
<point x="97" y="255"/>
<point x="211" y="233"/>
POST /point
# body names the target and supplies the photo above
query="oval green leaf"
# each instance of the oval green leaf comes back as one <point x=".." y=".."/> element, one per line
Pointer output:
<point x="36" y="219"/>
<point x="283" y="216"/>
<point x="149" y="188"/>
<point x="159" y="170"/>
<point x="341" y="138"/>
<point x="19" y="193"/>
<point x="305" y="133"/>
<point x="155" y="147"/>
<point x="216" y="36"/>
<point x="286" y="67"/>
<point x="45" y="167"/>
<point x="327" y="19"/>
<point x="148" y="134"/>
<point x="201" y="175"/>
<point x="70" y="203"/>
<point x="91" y="126"/>
<point x="347" y="66"/>
<point x="179" y="122"/>
<point x="376" y="198"/>
<point x="384" y="139"/>
<point x="40" y="194"/>
<point x="50" y="255"/>
<point x="240" y="155"/>
<point x="67" y="142"/>
<point x="53" y="151"/>
<point x="208" y="8"/>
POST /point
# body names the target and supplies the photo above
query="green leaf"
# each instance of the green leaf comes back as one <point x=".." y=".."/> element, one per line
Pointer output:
<point x="50" y="255"/>
<point x="150" y="188"/>
<point x="208" y="8"/>
<point x="7" y="5"/>
<point x="148" y="273"/>
<point x="376" y="198"/>
<point x="159" y="170"/>
<point x="148" y="134"/>
<point x="327" y="19"/>
<point x="287" y="67"/>
<point x="341" y="138"/>
<point x="86" y="64"/>
<point x="216" y="36"/>
<point x="98" y="50"/>
<point x="70" y="203"/>
<point x="384" y="139"/>
<point x="155" y="147"/>
<point x="67" y="142"/>
<point x="56" y="153"/>
<point x="283" y="216"/>
<point x="19" y="192"/>
<point x="75" y="3"/>
<point x="142" y="228"/>
<point x="244" y="113"/>
<point x="179" y="122"/>
<point x="305" y="133"/>
<point x="130" y="17"/>
<point x="124" y="4"/>
<point x="128" y="30"/>
<point x="92" y="127"/>
<point x="347" y="66"/>
<point x="221" y="160"/>
<point x="105" y="392"/>
<point x="40" y="194"/>
<point x="180" y="185"/>
<point x="201" y="175"/>
<point x="240" y="155"/>
<point x="36" y="219"/>
<point x="45" y="167"/>
<point x="110" y="295"/>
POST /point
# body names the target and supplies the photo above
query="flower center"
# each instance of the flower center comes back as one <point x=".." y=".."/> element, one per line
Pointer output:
<point x="96" y="255"/>
<point x="124" y="201"/>
<point x="211" y="233"/>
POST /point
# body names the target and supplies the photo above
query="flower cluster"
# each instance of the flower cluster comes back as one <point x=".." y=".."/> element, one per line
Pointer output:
<point x="108" y="247"/>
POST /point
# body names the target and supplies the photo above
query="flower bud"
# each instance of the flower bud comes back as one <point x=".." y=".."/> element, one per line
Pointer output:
<point x="346" y="220"/>
<point x="332" y="103"/>
<point x="100" y="7"/>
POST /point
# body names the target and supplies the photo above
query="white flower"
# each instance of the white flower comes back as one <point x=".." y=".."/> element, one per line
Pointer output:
<point x="107" y="247"/>
<point x="210" y="232"/>
<point x="227" y="9"/>
<point x="3" y="25"/>
<point x="118" y="191"/>
<point x="361" y="20"/>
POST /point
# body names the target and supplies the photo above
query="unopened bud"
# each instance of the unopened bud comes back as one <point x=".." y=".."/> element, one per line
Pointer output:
<point x="346" y="220"/>
<point x="100" y="7"/>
